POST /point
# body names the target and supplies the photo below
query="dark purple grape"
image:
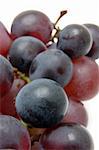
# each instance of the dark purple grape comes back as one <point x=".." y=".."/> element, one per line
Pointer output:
<point x="6" y="76"/>
<point x="13" y="135"/>
<point x="52" y="64"/>
<point x="23" y="50"/>
<point x="84" y="84"/>
<point x="67" y="137"/>
<point x="42" y="103"/>
<point x="75" y="40"/>
<point x="76" y="113"/>
<point x="94" y="30"/>
<point x="33" y="23"/>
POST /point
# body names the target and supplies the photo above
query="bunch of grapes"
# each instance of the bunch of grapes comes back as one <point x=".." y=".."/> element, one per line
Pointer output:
<point x="45" y="75"/>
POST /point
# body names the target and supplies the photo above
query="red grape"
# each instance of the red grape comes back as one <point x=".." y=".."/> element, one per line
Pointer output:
<point x="6" y="76"/>
<point x="7" y="102"/>
<point x="13" y="135"/>
<point x="76" y="113"/>
<point x="67" y="137"/>
<point x="32" y="23"/>
<point x="5" y="40"/>
<point x="85" y="81"/>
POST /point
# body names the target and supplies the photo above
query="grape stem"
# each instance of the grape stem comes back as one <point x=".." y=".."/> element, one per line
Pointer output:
<point x="62" y="13"/>
<point x="21" y="75"/>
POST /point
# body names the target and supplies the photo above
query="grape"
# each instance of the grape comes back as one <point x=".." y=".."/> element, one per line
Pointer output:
<point x="85" y="81"/>
<point x="6" y="76"/>
<point x="94" y="30"/>
<point x="33" y="23"/>
<point x="13" y="135"/>
<point x="67" y="137"/>
<point x="75" y="40"/>
<point x="42" y="103"/>
<point x="5" y="40"/>
<point x="23" y="50"/>
<point x="7" y="102"/>
<point x="76" y="113"/>
<point x="52" y="64"/>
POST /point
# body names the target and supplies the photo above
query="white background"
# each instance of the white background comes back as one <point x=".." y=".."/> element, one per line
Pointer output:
<point x="79" y="11"/>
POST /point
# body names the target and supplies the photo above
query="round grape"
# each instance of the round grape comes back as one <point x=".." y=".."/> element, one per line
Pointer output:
<point x="23" y="50"/>
<point x="75" y="40"/>
<point x="33" y="23"/>
<point x="13" y="135"/>
<point x="52" y="64"/>
<point x="67" y="137"/>
<point x="42" y="103"/>
<point x="84" y="84"/>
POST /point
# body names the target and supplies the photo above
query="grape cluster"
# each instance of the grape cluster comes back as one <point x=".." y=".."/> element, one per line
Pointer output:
<point x="45" y="75"/>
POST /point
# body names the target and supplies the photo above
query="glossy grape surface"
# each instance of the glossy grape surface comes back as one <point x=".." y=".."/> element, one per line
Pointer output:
<point x="23" y="51"/>
<point x="5" y="40"/>
<point x="7" y="102"/>
<point x="6" y="76"/>
<point x="75" y="40"/>
<point x="85" y="81"/>
<point x="76" y="113"/>
<point x="67" y="137"/>
<point x="13" y="135"/>
<point x="32" y="23"/>
<point x="42" y="103"/>
<point x="52" y="64"/>
<point x="94" y="30"/>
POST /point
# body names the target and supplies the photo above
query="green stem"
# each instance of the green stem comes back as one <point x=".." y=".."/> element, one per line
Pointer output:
<point x="21" y="75"/>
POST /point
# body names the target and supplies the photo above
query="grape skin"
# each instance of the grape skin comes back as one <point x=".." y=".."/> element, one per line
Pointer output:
<point x="52" y="64"/>
<point x="7" y="102"/>
<point x="23" y="50"/>
<point x="75" y="40"/>
<point x="94" y="30"/>
<point x="6" y="76"/>
<point x="13" y="135"/>
<point x="5" y="40"/>
<point x="84" y="84"/>
<point x="76" y="113"/>
<point x="42" y="103"/>
<point x="67" y="137"/>
<point x="32" y="23"/>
